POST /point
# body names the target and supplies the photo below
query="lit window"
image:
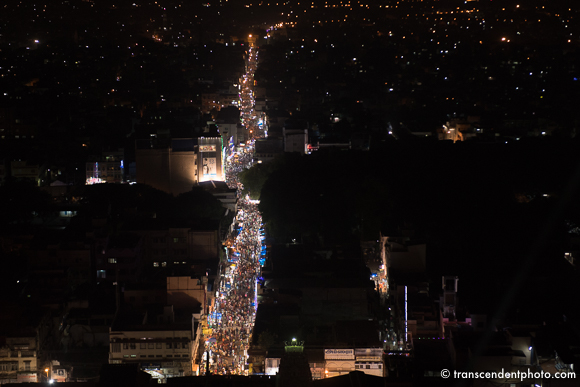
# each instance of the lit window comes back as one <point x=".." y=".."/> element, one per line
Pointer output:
<point x="112" y="260"/>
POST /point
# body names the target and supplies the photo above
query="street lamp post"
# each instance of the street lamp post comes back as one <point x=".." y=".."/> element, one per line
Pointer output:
<point x="46" y="370"/>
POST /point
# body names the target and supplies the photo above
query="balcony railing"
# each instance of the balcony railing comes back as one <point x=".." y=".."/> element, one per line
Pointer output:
<point x="18" y="354"/>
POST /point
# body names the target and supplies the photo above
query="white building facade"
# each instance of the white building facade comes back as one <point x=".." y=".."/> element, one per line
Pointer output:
<point x="162" y="352"/>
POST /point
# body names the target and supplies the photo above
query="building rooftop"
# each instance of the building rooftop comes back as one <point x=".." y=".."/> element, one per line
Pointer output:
<point x="354" y="378"/>
<point x="154" y="318"/>
<point x="269" y="145"/>
<point x="215" y="186"/>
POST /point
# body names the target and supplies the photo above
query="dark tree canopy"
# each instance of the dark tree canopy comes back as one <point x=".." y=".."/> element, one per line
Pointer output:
<point x="468" y="193"/>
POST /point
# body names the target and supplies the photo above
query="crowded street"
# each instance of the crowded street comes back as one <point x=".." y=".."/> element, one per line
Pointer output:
<point x="231" y="320"/>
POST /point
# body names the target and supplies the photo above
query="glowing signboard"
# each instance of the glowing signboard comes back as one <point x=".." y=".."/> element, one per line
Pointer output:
<point x="209" y="167"/>
<point x="342" y="354"/>
<point x="207" y="148"/>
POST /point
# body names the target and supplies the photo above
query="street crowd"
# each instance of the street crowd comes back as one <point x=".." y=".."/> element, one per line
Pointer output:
<point x="231" y="321"/>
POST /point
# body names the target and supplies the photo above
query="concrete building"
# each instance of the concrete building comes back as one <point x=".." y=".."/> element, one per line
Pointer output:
<point x="503" y="351"/>
<point x="170" y="244"/>
<point x="210" y="100"/>
<point x="167" y="165"/>
<point x="333" y="361"/>
<point x="24" y="331"/>
<point x="184" y="292"/>
<point x="295" y="140"/>
<point x="210" y="157"/>
<point x="108" y="168"/>
<point x="26" y="170"/>
<point x="266" y="149"/>
<point x="18" y="359"/>
<point x="57" y="261"/>
<point x="233" y="133"/>
<point x="339" y="361"/>
<point x="294" y="369"/>
<point x="453" y="317"/>
<point x="220" y="190"/>
<point x="403" y="254"/>
<point x="170" y="165"/>
<point x="325" y="297"/>
<point x="163" y="344"/>
<point x="228" y="123"/>
<point x="162" y="338"/>
<point x="58" y="373"/>
<point x="369" y="361"/>
<point x="86" y="327"/>
<point x="416" y="312"/>
<point x="227" y="130"/>
<point x="460" y="129"/>
<point x="119" y="258"/>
